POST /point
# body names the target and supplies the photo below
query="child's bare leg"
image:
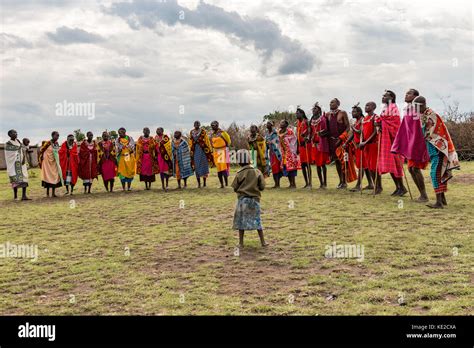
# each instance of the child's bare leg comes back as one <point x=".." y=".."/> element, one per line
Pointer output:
<point x="241" y="238"/>
<point x="262" y="239"/>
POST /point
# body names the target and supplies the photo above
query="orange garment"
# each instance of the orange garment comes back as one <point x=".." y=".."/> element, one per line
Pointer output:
<point x="346" y="157"/>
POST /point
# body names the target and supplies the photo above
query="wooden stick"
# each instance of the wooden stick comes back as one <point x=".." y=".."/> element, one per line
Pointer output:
<point x="406" y="179"/>
<point x="361" y="170"/>
<point x="377" y="164"/>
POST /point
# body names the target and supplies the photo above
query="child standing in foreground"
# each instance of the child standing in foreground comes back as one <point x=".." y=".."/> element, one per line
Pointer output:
<point x="248" y="184"/>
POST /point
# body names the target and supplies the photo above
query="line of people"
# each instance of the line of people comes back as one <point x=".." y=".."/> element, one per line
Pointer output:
<point x="62" y="165"/>
<point x="372" y="146"/>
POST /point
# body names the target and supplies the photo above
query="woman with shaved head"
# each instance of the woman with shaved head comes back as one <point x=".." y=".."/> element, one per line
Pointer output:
<point x="48" y="160"/>
<point x="147" y="163"/>
<point x="125" y="158"/>
<point x="220" y="141"/>
<point x="17" y="170"/>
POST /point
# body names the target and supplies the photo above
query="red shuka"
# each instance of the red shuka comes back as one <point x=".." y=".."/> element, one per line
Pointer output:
<point x="88" y="161"/>
<point x="370" y="149"/>
<point x="68" y="159"/>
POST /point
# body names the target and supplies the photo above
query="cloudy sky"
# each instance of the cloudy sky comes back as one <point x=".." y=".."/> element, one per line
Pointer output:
<point x="167" y="62"/>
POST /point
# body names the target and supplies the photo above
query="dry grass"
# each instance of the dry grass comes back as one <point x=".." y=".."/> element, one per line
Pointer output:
<point x="182" y="261"/>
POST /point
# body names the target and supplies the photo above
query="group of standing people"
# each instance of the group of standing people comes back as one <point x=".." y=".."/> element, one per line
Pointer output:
<point x="372" y="146"/>
<point x="62" y="164"/>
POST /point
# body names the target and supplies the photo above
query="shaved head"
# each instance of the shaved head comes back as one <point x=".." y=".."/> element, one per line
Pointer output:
<point x="420" y="100"/>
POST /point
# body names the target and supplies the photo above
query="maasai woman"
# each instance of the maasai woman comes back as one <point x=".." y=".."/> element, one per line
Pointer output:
<point x="257" y="150"/>
<point x="303" y="137"/>
<point x="320" y="144"/>
<point x="48" y="160"/>
<point x="220" y="141"/>
<point x="15" y="158"/>
<point x="441" y="150"/>
<point x="163" y="153"/>
<point x="290" y="161"/>
<point x="181" y="158"/>
<point x="248" y="184"/>
<point x="88" y="161"/>
<point x="125" y="147"/>
<point x="107" y="166"/>
<point x="387" y="125"/>
<point x="147" y="163"/>
<point x="69" y="161"/>
<point x="273" y="153"/>
<point x="201" y="153"/>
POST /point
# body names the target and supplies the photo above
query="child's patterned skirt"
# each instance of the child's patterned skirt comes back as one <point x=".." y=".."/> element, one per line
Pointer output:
<point x="247" y="214"/>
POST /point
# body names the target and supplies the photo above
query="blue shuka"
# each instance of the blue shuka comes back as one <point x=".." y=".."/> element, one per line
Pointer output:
<point x="182" y="155"/>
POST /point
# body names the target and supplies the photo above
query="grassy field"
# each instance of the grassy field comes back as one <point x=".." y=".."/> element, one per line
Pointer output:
<point x="156" y="253"/>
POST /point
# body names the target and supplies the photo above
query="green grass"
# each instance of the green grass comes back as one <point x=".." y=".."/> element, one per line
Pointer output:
<point x="182" y="261"/>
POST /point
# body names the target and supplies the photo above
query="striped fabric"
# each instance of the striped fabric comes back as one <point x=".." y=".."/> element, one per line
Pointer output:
<point x="437" y="159"/>
<point x="201" y="164"/>
<point x="181" y="153"/>
<point x="389" y="162"/>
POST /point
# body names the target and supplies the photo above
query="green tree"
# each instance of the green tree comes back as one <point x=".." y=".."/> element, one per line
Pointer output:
<point x="276" y="116"/>
<point x="113" y="135"/>
<point x="79" y="135"/>
<point x="238" y="136"/>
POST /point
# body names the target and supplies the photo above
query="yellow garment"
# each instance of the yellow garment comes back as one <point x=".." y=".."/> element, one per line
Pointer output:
<point x="220" y="144"/>
<point x="126" y="165"/>
<point x="261" y="148"/>
<point x="49" y="167"/>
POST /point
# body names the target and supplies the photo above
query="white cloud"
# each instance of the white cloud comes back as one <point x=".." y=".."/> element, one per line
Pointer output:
<point x="224" y="66"/>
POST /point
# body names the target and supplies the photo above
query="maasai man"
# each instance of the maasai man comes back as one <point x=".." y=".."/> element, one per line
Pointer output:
<point x="220" y="141"/>
<point x="69" y="161"/>
<point x="358" y="115"/>
<point x="181" y="159"/>
<point x="355" y="138"/>
<point x="304" y="146"/>
<point x="369" y="146"/>
<point x="88" y="161"/>
<point x="320" y="144"/>
<point x="125" y="147"/>
<point x="48" y="160"/>
<point x="248" y="184"/>
<point x="441" y="149"/>
<point x="338" y="125"/>
<point x="147" y="162"/>
<point x="107" y="166"/>
<point x="17" y="170"/>
<point x="290" y="160"/>
<point x="273" y="153"/>
<point x="387" y="125"/>
<point x="257" y="150"/>
<point x="201" y="153"/>
<point x="410" y="143"/>
<point x="163" y="154"/>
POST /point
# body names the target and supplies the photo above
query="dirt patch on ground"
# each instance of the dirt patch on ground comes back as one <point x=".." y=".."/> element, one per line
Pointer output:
<point x="252" y="272"/>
